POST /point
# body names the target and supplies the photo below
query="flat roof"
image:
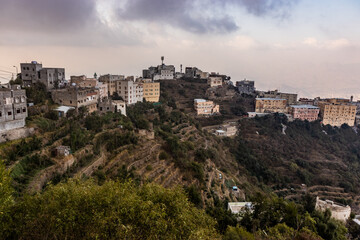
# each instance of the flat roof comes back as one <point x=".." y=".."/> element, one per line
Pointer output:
<point x="199" y="100"/>
<point x="304" y="106"/>
<point x="64" y="109"/>
<point x="270" y="99"/>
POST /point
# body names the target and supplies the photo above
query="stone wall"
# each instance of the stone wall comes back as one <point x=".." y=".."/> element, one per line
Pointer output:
<point x="15" y="133"/>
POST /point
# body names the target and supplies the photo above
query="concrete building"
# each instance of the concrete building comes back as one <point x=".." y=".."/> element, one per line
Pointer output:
<point x="336" y="114"/>
<point x="195" y="73"/>
<point x="205" y="107"/>
<point x="62" y="151"/>
<point x="111" y="81"/>
<point x="254" y="114"/>
<point x="215" y="81"/>
<point x="13" y="108"/>
<point x="339" y="212"/>
<point x="151" y="90"/>
<point x="130" y="91"/>
<point x="291" y="98"/>
<point x="245" y="87"/>
<point x="226" y="130"/>
<point x="161" y="72"/>
<point x="304" y="112"/>
<point x="270" y="105"/>
<point x="115" y="106"/>
<point x="306" y="101"/>
<point x="83" y="82"/>
<point x="34" y="72"/>
<point x="76" y="97"/>
<point x="103" y="90"/>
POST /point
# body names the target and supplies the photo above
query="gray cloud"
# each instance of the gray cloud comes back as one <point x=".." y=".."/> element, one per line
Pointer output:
<point x="193" y="16"/>
<point x="48" y="15"/>
<point x="264" y="7"/>
<point x="178" y="14"/>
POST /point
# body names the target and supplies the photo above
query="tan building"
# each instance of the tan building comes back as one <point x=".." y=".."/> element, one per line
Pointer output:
<point x="76" y="97"/>
<point x="205" y="107"/>
<point x="215" y="81"/>
<point x="226" y="130"/>
<point x="291" y="98"/>
<point x="270" y="105"/>
<point x="151" y="91"/>
<point x="304" y="112"/>
<point x="338" y="211"/>
<point x="82" y="81"/>
<point x="337" y="114"/>
<point x="111" y="81"/>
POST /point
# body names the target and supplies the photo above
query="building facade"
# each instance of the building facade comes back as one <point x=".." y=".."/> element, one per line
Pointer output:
<point x="111" y="81"/>
<point x="13" y="108"/>
<point x="83" y="82"/>
<point x="205" y="107"/>
<point x="109" y="105"/>
<point x="34" y="72"/>
<point x="151" y="91"/>
<point x="215" y="81"/>
<point x="130" y="91"/>
<point x="337" y="114"/>
<point x="291" y="98"/>
<point x="76" y="97"/>
<point x="270" y="105"/>
<point x="245" y="87"/>
<point x="304" y="112"/>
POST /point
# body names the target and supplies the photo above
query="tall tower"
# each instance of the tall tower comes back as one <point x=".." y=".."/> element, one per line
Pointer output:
<point x="180" y="68"/>
<point x="162" y="60"/>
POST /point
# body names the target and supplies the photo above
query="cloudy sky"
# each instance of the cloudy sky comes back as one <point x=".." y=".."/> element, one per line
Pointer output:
<point x="303" y="46"/>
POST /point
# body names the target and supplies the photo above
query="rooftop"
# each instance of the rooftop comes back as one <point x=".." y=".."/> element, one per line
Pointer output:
<point x="270" y="99"/>
<point x="304" y="106"/>
<point x="199" y="100"/>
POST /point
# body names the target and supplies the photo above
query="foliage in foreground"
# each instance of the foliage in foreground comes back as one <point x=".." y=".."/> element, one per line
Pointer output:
<point x="85" y="210"/>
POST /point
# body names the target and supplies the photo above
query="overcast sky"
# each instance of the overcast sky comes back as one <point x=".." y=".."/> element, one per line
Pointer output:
<point x="304" y="46"/>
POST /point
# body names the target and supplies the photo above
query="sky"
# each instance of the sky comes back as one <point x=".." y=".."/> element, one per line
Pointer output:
<point x="303" y="46"/>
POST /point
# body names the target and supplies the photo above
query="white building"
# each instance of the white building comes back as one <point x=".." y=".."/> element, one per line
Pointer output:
<point x="130" y="91"/>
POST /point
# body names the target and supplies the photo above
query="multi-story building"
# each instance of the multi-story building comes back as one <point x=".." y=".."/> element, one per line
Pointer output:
<point x="111" y="81"/>
<point x="194" y="72"/>
<point x="246" y="86"/>
<point x="290" y="97"/>
<point x="205" y="107"/>
<point x="270" y="105"/>
<point x="151" y="90"/>
<point x="130" y="91"/>
<point x="109" y="105"/>
<point x="83" y="82"/>
<point x="103" y="90"/>
<point x="13" y="109"/>
<point x="34" y="72"/>
<point x="161" y="72"/>
<point x="30" y="72"/>
<point x="215" y="81"/>
<point x="338" y="211"/>
<point x="306" y="101"/>
<point x="76" y="97"/>
<point x="304" y="112"/>
<point x="337" y="114"/>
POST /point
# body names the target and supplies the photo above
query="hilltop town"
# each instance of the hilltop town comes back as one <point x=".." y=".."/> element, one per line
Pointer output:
<point x="222" y="139"/>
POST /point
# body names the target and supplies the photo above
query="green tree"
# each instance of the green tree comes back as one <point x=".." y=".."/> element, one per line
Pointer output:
<point x="85" y="210"/>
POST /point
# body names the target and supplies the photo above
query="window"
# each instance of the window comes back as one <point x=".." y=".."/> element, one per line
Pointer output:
<point x="18" y="110"/>
<point x="70" y="102"/>
<point x="0" y="114"/>
<point x="24" y="110"/>
<point x="9" y="113"/>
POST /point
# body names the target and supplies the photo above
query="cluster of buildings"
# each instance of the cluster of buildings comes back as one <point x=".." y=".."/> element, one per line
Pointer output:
<point x="333" y="111"/>
<point x="106" y="93"/>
